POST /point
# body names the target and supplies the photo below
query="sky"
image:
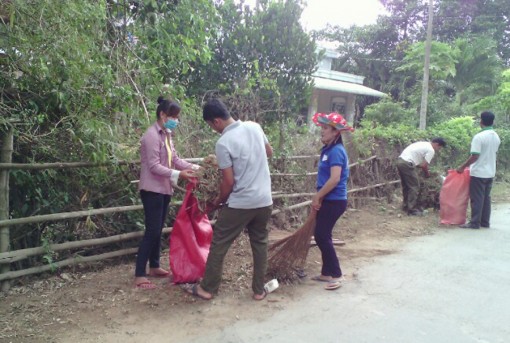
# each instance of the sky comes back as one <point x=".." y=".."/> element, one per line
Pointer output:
<point x="318" y="13"/>
<point x="345" y="13"/>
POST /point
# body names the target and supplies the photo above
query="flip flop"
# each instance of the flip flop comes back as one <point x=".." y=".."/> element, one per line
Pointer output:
<point x="331" y="286"/>
<point x="318" y="278"/>
<point x="167" y="274"/>
<point x="191" y="288"/>
<point x="145" y="285"/>
<point x="263" y="295"/>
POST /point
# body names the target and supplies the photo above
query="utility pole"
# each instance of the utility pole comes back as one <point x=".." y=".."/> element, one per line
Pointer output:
<point x="425" y="87"/>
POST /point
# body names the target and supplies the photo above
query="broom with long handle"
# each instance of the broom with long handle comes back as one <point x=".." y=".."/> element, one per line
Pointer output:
<point x="289" y="253"/>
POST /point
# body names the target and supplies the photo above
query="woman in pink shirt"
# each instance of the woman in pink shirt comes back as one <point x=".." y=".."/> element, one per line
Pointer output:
<point x="160" y="169"/>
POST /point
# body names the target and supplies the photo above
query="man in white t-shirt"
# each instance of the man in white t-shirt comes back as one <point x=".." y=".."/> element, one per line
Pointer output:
<point x="484" y="148"/>
<point x="416" y="155"/>
<point x="245" y="197"/>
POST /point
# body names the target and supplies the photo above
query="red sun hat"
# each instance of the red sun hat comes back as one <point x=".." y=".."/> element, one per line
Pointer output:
<point x="333" y="119"/>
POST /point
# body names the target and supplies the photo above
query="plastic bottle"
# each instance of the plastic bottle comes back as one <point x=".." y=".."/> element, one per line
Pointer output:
<point x="271" y="286"/>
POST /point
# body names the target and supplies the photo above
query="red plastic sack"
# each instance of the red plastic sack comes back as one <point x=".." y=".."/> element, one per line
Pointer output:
<point x="190" y="240"/>
<point x="454" y="198"/>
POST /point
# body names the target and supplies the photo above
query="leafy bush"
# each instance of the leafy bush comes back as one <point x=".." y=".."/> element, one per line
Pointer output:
<point x="504" y="151"/>
<point x="458" y="133"/>
<point x="387" y="112"/>
<point x="499" y="103"/>
<point x="389" y="141"/>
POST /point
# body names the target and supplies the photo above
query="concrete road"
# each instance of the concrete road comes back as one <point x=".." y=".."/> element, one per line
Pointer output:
<point x="452" y="287"/>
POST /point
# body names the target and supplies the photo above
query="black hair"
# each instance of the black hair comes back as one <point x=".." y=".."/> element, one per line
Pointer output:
<point x="338" y="140"/>
<point x="168" y="107"/>
<point x="440" y="141"/>
<point x="487" y="118"/>
<point x="215" y="108"/>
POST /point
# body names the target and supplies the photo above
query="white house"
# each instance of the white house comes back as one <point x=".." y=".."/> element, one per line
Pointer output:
<point x="335" y="91"/>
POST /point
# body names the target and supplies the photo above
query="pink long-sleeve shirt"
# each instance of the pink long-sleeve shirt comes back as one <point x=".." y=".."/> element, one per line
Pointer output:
<point x="155" y="174"/>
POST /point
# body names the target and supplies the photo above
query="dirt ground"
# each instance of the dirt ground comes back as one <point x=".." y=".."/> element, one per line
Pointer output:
<point x="98" y="302"/>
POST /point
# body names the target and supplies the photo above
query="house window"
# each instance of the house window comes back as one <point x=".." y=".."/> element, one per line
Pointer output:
<point x="338" y="105"/>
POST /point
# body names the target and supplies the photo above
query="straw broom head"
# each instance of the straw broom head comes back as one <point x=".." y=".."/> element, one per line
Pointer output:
<point x="288" y="254"/>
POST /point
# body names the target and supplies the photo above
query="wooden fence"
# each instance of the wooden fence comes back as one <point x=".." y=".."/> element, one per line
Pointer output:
<point x="7" y="257"/>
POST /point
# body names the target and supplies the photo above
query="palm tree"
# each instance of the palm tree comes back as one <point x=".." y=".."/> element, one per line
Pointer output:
<point x="478" y="69"/>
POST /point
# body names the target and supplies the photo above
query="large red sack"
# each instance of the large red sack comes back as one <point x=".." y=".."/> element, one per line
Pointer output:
<point x="454" y="198"/>
<point x="190" y="240"/>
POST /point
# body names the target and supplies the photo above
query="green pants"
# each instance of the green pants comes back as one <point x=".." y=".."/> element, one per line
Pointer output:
<point x="228" y="227"/>
<point x="410" y="184"/>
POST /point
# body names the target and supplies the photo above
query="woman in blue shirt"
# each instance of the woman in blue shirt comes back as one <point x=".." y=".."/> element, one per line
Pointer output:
<point x="330" y="201"/>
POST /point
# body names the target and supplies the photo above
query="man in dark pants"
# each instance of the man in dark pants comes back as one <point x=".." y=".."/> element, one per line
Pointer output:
<point x="245" y="197"/>
<point x="482" y="160"/>
<point x="418" y="154"/>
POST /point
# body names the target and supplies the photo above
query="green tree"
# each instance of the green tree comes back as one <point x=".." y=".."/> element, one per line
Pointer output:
<point x="478" y="68"/>
<point x="489" y="18"/>
<point x="499" y="102"/>
<point x="468" y="68"/>
<point x="172" y="38"/>
<point x="409" y="17"/>
<point x="442" y="60"/>
<point x="254" y="46"/>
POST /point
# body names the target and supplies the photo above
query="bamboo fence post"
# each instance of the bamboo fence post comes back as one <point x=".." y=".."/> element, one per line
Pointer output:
<point x="376" y="170"/>
<point x="5" y="157"/>
<point x="375" y="166"/>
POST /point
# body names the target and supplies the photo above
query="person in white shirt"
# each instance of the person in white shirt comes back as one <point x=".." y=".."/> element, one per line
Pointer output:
<point x="482" y="162"/>
<point x="244" y="197"/>
<point x="416" y="155"/>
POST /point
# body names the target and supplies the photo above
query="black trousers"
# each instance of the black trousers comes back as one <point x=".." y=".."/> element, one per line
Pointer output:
<point x="327" y="216"/>
<point x="480" y="194"/>
<point x="410" y="184"/>
<point x="155" y="207"/>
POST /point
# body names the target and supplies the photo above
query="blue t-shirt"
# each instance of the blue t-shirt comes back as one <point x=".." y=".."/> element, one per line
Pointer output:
<point x="333" y="156"/>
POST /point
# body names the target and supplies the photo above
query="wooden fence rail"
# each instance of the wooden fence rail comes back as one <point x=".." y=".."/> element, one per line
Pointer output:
<point x="68" y="215"/>
<point x="68" y="165"/>
<point x="18" y="255"/>
<point x="67" y="262"/>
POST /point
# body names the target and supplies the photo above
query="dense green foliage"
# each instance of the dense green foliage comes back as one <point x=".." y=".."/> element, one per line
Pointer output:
<point x="265" y="52"/>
